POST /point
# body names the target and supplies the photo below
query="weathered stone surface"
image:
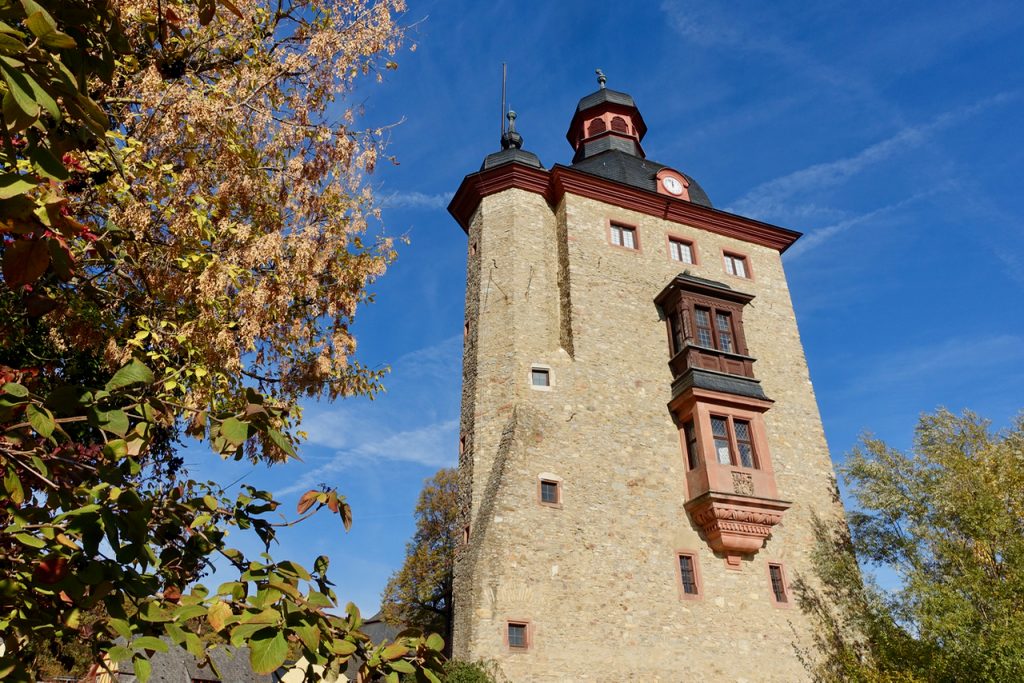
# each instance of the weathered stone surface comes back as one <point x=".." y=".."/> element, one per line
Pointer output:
<point x="596" y="578"/>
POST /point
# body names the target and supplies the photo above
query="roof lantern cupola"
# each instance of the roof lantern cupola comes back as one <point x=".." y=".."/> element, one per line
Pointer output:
<point x="606" y="120"/>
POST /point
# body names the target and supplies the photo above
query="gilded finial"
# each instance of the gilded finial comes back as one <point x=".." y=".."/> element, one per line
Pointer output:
<point x="601" y="78"/>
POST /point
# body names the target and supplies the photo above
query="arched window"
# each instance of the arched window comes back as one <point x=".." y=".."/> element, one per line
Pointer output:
<point x="619" y="125"/>
<point x="596" y="126"/>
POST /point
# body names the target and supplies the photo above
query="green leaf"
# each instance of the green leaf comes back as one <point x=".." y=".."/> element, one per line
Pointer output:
<point x="310" y="636"/>
<point x="122" y="628"/>
<point x="242" y="632"/>
<point x="142" y="668"/>
<point x="13" y="184"/>
<point x="39" y="20"/>
<point x="113" y="421"/>
<point x="343" y="647"/>
<point x="116" y="449"/>
<point x="149" y="643"/>
<point x="29" y="540"/>
<point x="267" y="654"/>
<point x="12" y="485"/>
<point x="210" y="502"/>
<point x="402" y="666"/>
<point x="135" y="372"/>
<point x="119" y="653"/>
<point x="47" y="165"/>
<point x="435" y="642"/>
<point x="9" y="45"/>
<point x="41" y="420"/>
<point x="281" y="442"/>
<point x="21" y="89"/>
<point x="234" y="430"/>
<point x="394" y="651"/>
<point x="318" y="599"/>
<point x="14" y="389"/>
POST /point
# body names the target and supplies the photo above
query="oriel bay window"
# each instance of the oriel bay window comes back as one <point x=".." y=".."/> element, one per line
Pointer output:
<point x="705" y="324"/>
<point x="718" y="405"/>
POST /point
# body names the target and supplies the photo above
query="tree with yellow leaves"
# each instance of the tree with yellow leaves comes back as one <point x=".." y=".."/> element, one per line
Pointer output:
<point x="183" y="220"/>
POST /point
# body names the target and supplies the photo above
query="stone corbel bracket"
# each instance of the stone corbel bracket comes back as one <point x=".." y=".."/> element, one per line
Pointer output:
<point x="735" y="525"/>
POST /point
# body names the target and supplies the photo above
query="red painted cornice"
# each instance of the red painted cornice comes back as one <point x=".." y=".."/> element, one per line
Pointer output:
<point x="554" y="184"/>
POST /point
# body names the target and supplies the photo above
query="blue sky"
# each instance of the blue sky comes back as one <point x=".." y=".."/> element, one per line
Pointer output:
<point x="889" y="133"/>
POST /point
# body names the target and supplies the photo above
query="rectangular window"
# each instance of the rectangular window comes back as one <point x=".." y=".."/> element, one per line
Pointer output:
<point x="734" y="442"/>
<point x="680" y="250"/>
<point x="549" y="492"/>
<point x="540" y="377"/>
<point x="690" y="435"/>
<point x="623" y="236"/>
<point x="723" y="325"/>
<point x="720" y="430"/>
<point x="744" y="444"/>
<point x="676" y="330"/>
<point x="688" y="574"/>
<point x="736" y="265"/>
<point x="702" y="321"/>
<point x="778" y="584"/>
<point x="517" y="635"/>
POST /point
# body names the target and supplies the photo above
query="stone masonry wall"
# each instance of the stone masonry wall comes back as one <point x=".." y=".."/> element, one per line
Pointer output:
<point x="596" y="579"/>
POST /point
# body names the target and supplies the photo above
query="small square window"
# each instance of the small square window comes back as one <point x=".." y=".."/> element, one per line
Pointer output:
<point x="623" y="236"/>
<point x="549" y="492"/>
<point x="688" y="575"/>
<point x="540" y="377"/>
<point x="680" y="250"/>
<point x="517" y="636"/>
<point x="778" y="584"/>
<point x="736" y="265"/>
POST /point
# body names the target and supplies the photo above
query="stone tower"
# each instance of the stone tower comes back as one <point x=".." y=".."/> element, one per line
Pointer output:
<point x="641" y="452"/>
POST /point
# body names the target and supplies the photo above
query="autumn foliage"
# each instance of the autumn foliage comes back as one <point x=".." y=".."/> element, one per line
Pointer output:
<point x="183" y="226"/>
<point x="420" y="593"/>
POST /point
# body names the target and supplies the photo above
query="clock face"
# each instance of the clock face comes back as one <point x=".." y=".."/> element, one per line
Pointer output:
<point x="672" y="185"/>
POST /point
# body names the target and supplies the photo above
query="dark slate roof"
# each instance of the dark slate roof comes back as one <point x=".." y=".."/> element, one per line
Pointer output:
<point x="507" y="156"/>
<point x="378" y="630"/>
<point x="628" y="169"/>
<point x="717" y="381"/>
<point x="177" y="665"/>
<point x="605" y="95"/>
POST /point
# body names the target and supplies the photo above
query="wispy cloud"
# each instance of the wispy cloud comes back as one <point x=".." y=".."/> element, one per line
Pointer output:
<point x="416" y="200"/>
<point x="772" y="197"/>
<point x="822" y="235"/>
<point x="922" y="366"/>
<point x="414" y="424"/>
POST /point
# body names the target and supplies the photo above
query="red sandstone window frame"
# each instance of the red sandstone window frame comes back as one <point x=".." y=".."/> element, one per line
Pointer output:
<point x="787" y="601"/>
<point x="691" y="443"/>
<point x="527" y="635"/>
<point x="679" y="239"/>
<point x="612" y="224"/>
<point x="728" y="256"/>
<point x="549" y="479"/>
<point x="697" y="581"/>
<point x="734" y="450"/>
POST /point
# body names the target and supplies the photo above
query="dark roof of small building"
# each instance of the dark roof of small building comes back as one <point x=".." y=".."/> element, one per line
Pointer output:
<point x="177" y="665"/>
<point x="605" y="95"/>
<point x="629" y="169"/>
